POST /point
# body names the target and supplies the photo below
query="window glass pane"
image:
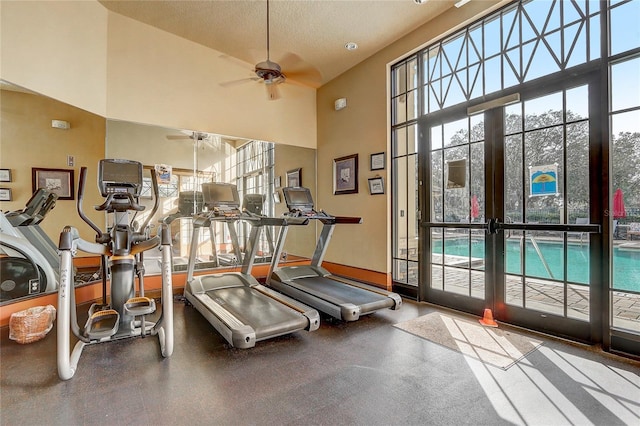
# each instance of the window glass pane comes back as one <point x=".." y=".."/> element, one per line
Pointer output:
<point x="577" y="103"/>
<point x="513" y="186"/>
<point x="456" y="132"/>
<point x="513" y="119"/>
<point x="412" y="105"/>
<point x="400" y="80"/>
<point x="436" y="137"/>
<point x="412" y="139"/>
<point x="577" y="201"/>
<point x="412" y="207"/>
<point x="400" y="141"/>
<point x="412" y="71"/>
<point x="400" y="109"/>
<point x="625" y="84"/>
<point x="437" y="174"/>
<point x="625" y="33"/>
<point x="400" y="206"/>
<point x="543" y="111"/>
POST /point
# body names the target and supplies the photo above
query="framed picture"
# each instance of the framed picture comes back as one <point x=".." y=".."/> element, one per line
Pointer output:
<point x="5" y="194"/>
<point x="377" y="161"/>
<point x="345" y="175"/>
<point x="58" y="181"/>
<point x="376" y="185"/>
<point x="277" y="182"/>
<point x="5" y="175"/>
<point x="294" y="177"/>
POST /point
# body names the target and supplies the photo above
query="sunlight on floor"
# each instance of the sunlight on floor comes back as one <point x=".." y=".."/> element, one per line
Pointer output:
<point x="523" y="395"/>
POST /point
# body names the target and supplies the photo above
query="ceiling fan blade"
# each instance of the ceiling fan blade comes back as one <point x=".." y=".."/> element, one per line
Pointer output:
<point x="295" y="68"/>
<point x="273" y="93"/>
<point x="237" y="82"/>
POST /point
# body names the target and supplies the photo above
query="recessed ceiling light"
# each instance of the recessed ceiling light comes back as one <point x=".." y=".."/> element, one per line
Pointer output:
<point x="461" y="3"/>
<point x="351" y="45"/>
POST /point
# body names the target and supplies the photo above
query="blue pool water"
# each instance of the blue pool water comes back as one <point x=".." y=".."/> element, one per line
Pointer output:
<point x="626" y="263"/>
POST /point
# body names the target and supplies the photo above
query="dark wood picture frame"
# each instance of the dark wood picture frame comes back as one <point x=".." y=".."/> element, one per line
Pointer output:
<point x="376" y="185"/>
<point x="5" y="175"/>
<point x="5" y="194"/>
<point x="58" y="181"/>
<point x="377" y="161"/>
<point x="345" y="175"/>
<point x="294" y="177"/>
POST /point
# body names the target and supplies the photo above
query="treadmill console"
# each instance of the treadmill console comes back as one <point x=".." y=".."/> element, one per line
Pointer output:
<point x="119" y="177"/>
<point x="221" y="198"/>
<point x="300" y="202"/>
<point x="253" y="203"/>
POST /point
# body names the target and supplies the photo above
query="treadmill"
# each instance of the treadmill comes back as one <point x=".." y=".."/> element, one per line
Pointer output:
<point x="242" y="310"/>
<point x="313" y="285"/>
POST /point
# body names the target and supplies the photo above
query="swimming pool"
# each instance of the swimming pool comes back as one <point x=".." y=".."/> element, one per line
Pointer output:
<point x="626" y="262"/>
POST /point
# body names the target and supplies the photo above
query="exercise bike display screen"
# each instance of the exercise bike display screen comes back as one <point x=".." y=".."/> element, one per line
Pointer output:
<point x="217" y="194"/>
<point x="119" y="176"/>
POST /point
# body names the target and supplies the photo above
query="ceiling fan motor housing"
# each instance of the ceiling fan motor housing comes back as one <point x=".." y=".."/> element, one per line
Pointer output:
<point x="270" y="72"/>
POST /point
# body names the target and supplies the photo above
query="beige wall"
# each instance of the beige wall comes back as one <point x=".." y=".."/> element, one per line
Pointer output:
<point x="301" y="240"/>
<point x="28" y="140"/>
<point x="82" y="54"/>
<point x="362" y="128"/>
<point x="57" y="48"/>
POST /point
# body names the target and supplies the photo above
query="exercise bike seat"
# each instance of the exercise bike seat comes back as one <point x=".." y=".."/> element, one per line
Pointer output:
<point x="140" y="306"/>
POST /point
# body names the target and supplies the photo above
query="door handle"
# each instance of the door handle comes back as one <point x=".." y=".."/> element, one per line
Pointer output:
<point x="493" y="226"/>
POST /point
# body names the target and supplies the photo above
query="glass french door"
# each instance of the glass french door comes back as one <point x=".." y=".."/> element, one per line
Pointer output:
<point x="512" y="213"/>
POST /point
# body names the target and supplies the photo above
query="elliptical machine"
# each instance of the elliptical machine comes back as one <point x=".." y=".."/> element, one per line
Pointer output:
<point x="121" y="249"/>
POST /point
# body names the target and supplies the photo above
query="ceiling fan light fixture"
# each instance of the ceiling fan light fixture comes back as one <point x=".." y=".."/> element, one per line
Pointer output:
<point x="351" y="45"/>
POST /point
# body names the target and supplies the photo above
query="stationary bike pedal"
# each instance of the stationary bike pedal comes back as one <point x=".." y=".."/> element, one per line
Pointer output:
<point x="140" y="306"/>
<point x="101" y="324"/>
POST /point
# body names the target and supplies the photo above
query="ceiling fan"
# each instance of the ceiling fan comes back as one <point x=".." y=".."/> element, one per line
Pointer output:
<point x="271" y="74"/>
<point x="209" y="139"/>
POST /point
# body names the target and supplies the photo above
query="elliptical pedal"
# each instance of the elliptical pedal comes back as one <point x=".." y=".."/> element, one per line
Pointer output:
<point x="140" y="306"/>
<point x="101" y="323"/>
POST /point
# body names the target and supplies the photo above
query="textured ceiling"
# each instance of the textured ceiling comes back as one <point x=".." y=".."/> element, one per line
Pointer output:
<point x="307" y="37"/>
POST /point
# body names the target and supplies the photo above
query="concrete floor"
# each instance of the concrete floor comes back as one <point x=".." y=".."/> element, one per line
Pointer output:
<point x="363" y="373"/>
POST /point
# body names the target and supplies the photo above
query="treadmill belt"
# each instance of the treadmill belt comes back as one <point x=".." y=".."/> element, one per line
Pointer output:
<point x="339" y="291"/>
<point x="264" y="314"/>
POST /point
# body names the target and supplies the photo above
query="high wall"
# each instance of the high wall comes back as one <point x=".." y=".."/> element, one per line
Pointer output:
<point x="80" y="53"/>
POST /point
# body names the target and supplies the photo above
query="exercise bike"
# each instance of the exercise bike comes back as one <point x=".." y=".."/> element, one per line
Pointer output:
<point x="121" y="249"/>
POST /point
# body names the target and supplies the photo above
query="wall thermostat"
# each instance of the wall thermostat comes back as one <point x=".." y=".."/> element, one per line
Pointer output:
<point x="341" y="103"/>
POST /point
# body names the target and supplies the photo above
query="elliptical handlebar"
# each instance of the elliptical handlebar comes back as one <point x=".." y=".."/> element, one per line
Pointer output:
<point x="156" y="201"/>
<point x="81" y="186"/>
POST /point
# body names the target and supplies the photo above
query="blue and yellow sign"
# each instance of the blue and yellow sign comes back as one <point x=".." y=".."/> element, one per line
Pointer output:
<point x="544" y="180"/>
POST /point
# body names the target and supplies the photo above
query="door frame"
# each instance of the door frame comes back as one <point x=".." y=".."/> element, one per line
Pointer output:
<point x="600" y="246"/>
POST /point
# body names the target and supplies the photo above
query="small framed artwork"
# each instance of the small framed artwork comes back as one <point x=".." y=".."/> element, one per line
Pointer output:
<point x="5" y="175"/>
<point x="376" y="185"/>
<point x="277" y="182"/>
<point x="345" y="175"/>
<point x="294" y="177"/>
<point x="276" y="197"/>
<point x="58" y="181"/>
<point x="5" y="194"/>
<point x="377" y="161"/>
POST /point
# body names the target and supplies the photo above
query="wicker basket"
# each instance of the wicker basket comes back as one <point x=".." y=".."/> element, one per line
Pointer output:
<point x="31" y="324"/>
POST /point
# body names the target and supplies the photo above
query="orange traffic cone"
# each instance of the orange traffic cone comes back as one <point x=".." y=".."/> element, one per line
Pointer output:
<point x="487" y="319"/>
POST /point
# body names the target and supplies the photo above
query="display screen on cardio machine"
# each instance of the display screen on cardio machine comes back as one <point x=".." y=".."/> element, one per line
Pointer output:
<point x="221" y="195"/>
<point x="298" y="199"/>
<point x="119" y="176"/>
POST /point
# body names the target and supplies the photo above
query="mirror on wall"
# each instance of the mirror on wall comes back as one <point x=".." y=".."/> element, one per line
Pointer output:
<point x="29" y="140"/>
